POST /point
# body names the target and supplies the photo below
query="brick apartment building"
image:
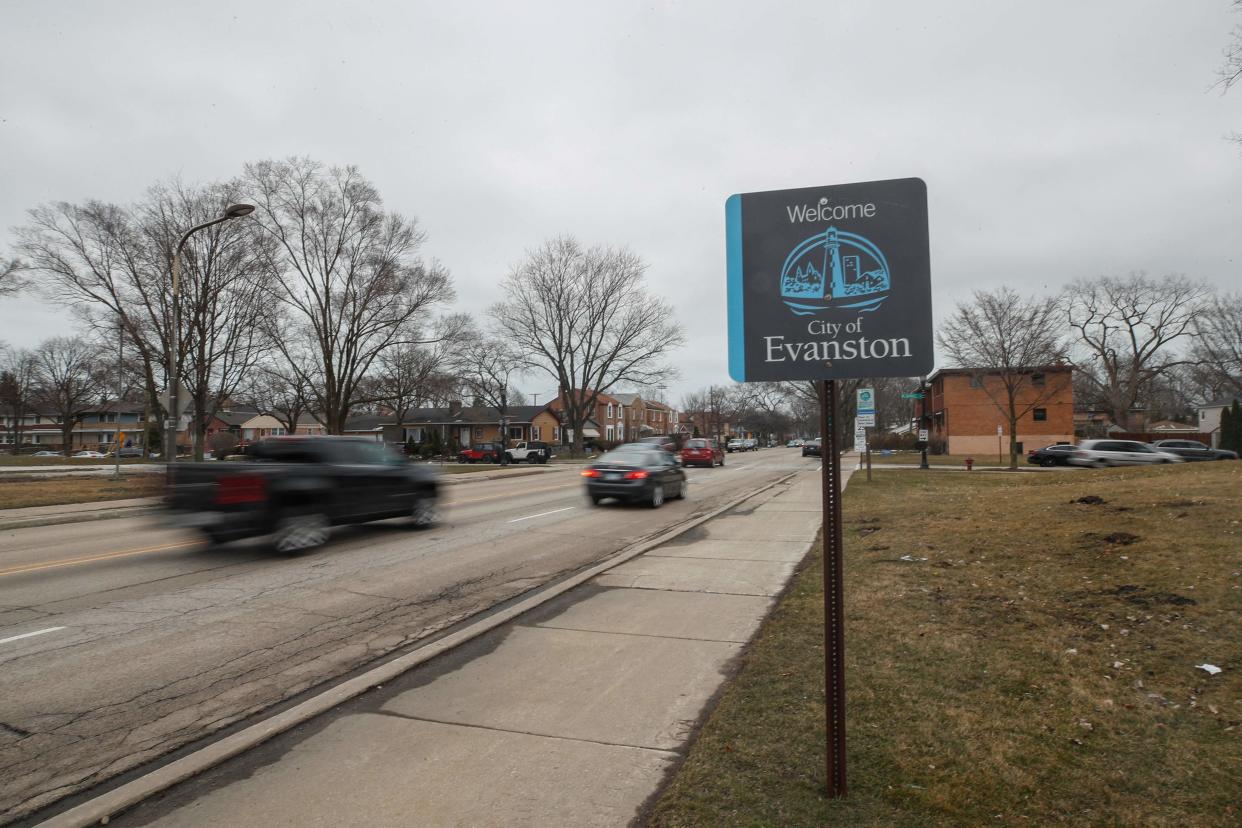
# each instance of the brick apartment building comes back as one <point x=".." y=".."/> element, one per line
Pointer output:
<point x="959" y="409"/>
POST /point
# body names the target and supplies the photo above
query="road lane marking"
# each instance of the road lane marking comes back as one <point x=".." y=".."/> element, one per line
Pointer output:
<point x="29" y="634"/>
<point x="511" y="494"/>
<point x="541" y="514"/>
<point x="18" y="570"/>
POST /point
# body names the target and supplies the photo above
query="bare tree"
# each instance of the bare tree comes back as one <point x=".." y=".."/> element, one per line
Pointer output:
<point x="1006" y="340"/>
<point x="486" y="365"/>
<point x="411" y="375"/>
<point x="10" y="277"/>
<point x="585" y="317"/>
<point x="1129" y="329"/>
<point x="1218" y="348"/>
<point x="68" y="381"/>
<point x="717" y="407"/>
<point x="275" y="389"/>
<point x="349" y="282"/>
<point x="113" y="265"/>
<point x="18" y="375"/>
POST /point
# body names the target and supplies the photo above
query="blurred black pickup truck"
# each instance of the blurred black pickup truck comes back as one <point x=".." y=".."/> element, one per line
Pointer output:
<point x="296" y="488"/>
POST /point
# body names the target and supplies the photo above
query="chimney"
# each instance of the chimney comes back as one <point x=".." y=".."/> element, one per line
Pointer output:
<point x="454" y="408"/>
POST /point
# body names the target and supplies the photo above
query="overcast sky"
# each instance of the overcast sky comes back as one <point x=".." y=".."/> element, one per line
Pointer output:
<point x="1058" y="140"/>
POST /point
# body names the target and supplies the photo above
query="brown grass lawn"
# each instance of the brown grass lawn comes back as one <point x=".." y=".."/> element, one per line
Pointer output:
<point x="36" y="462"/>
<point x="1034" y="665"/>
<point x="958" y="460"/>
<point x="40" y="491"/>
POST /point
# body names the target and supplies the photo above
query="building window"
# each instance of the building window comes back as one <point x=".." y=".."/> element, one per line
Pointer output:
<point x="534" y="432"/>
<point x="976" y="380"/>
<point x="478" y="432"/>
<point x="610" y="411"/>
<point x="611" y="433"/>
<point x="1037" y="380"/>
<point x="1040" y="414"/>
<point x="517" y="433"/>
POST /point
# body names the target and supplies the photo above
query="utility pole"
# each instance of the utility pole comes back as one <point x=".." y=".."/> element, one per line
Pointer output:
<point x="120" y="389"/>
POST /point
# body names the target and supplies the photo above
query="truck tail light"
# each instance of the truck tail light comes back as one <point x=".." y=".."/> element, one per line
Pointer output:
<point x="244" y="488"/>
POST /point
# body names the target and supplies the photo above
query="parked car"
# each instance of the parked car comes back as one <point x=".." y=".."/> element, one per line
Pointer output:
<point x="296" y="488"/>
<point x="635" y="473"/>
<point x="702" y="451"/>
<point x="734" y="445"/>
<point x="750" y="445"/>
<point x="46" y="453"/>
<point x="529" y="451"/>
<point x="1194" y="450"/>
<point x="481" y="453"/>
<point x="130" y="451"/>
<point x="1055" y="455"/>
<point x="811" y="448"/>
<point x="794" y="444"/>
<point x="91" y="454"/>
<point x="1101" y="453"/>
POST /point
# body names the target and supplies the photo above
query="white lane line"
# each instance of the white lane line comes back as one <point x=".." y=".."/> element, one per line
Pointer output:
<point x="529" y="517"/>
<point x="738" y="468"/>
<point x="29" y="635"/>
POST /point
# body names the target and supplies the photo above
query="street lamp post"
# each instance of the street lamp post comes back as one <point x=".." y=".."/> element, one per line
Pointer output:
<point x="174" y="340"/>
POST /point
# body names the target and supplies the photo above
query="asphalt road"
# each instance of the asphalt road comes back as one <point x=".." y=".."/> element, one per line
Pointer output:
<point x="122" y="640"/>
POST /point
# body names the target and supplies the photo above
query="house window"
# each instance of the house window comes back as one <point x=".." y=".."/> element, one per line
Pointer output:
<point x="556" y="434"/>
<point x="1037" y="380"/>
<point x="534" y="433"/>
<point x="1041" y="414"/>
<point x="610" y="411"/>
<point x="611" y="434"/>
<point x="516" y="433"/>
<point x="976" y="380"/>
<point x="478" y="432"/>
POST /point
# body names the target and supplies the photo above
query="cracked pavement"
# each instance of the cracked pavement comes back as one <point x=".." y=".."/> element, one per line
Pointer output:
<point x="170" y="644"/>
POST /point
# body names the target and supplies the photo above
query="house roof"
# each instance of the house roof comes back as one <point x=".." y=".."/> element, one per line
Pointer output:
<point x="1221" y="403"/>
<point x="627" y="399"/>
<point x="1045" y="369"/>
<point x="471" y="415"/>
<point x="366" y="422"/>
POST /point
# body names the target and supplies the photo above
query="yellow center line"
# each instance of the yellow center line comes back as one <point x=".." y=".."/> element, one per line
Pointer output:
<point x="17" y="570"/>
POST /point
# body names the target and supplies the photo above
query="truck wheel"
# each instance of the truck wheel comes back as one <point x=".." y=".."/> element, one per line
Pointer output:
<point x="424" y="513"/>
<point x="299" y="529"/>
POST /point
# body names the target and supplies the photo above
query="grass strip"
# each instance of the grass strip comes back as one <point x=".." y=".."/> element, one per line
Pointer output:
<point x="38" y="491"/>
<point x="1021" y="650"/>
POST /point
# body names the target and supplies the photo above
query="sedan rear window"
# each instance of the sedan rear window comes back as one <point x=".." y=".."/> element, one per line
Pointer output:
<point x="697" y="444"/>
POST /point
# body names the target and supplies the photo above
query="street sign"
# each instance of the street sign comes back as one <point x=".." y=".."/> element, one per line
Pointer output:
<point x="999" y="431"/>
<point x="860" y="438"/>
<point x="829" y="282"/>
<point x="922" y="435"/>
<point x="866" y="401"/>
<point x="867" y="420"/>
<point x="911" y="395"/>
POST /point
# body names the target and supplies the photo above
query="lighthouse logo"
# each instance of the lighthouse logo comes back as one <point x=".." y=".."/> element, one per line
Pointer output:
<point x="834" y="270"/>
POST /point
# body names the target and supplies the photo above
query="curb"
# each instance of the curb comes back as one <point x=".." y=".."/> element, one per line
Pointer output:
<point x="100" y="809"/>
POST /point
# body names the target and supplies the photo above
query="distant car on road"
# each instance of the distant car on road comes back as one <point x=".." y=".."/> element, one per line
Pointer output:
<point x="750" y="445"/>
<point x="811" y="448"/>
<point x="702" y="451"/>
<point x="91" y="454"/>
<point x="1102" y="453"/>
<point x="733" y="445"/>
<point x="1056" y="455"/>
<point x="1194" y="450"/>
<point x="480" y="453"/>
<point x="47" y="454"/>
<point x="635" y="473"/>
<point x="794" y="444"/>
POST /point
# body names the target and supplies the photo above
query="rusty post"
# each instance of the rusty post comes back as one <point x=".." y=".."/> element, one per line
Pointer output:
<point x="834" y="614"/>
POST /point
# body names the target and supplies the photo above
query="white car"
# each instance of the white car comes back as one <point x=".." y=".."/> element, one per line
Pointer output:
<point x="93" y="454"/>
<point x="1101" y="453"/>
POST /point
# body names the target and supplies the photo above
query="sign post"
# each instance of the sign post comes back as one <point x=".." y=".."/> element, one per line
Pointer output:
<point x="828" y="283"/>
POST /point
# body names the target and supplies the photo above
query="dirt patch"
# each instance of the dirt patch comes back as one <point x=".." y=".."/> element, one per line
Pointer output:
<point x="1181" y="504"/>
<point x="1111" y="539"/>
<point x="1090" y="500"/>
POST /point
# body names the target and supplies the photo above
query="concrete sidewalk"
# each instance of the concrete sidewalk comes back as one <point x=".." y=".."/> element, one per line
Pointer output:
<point x="570" y="715"/>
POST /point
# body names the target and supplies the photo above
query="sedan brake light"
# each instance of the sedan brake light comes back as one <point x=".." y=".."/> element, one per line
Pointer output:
<point x="590" y="473"/>
<point x="636" y="475"/>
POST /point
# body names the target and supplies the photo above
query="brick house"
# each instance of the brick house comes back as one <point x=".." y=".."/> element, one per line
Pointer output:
<point x="607" y="422"/>
<point x="959" y="410"/>
<point x="96" y="430"/>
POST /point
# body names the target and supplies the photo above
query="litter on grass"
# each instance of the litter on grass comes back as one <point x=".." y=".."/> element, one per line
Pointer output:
<point x="1210" y="669"/>
<point x="912" y="559"/>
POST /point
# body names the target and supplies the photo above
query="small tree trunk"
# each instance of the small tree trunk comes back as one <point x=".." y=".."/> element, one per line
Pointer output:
<point x="66" y="435"/>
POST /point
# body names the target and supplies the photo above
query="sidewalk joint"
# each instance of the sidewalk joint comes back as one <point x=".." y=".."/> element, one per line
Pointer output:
<point x="407" y="717"/>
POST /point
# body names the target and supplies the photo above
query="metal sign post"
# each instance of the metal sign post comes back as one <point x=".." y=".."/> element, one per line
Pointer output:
<point x="829" y="283"/>
<point x="834" y="591"/>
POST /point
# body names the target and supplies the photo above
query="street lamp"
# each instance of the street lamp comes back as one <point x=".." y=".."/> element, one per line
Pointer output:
<point x="174" y="341"/>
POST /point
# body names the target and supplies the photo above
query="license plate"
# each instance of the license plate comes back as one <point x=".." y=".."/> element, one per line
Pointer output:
<point x="612" y="476"/>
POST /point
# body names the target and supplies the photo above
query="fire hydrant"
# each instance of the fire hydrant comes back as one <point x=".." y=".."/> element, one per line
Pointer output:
<point x="970" y="463"/>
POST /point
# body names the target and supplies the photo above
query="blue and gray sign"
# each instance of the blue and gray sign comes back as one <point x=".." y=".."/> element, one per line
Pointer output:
<point x="830" y="282"/>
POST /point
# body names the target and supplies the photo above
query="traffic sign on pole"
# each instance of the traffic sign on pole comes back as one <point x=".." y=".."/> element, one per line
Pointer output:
<point x="829" y="283"/>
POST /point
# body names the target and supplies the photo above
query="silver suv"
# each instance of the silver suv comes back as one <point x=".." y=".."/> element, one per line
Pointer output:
<point x="1101" y="453"/>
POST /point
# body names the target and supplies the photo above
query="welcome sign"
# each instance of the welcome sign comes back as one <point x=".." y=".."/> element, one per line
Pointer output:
<point x="829" y="282"/>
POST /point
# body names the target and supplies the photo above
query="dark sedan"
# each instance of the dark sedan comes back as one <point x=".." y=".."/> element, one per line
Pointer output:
<point x="1194" y="450"/>
<point x="1057" y="455"/>
<point x="811" y="448"/>
<point x="635" y="473"/>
